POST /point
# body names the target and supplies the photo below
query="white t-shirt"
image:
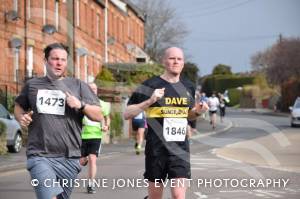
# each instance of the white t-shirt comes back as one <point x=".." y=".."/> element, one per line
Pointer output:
<point x="140" y="116"/>
<point x="213" y="103"/>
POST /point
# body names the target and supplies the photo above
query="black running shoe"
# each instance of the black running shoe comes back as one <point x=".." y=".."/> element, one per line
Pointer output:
<point x="91" y="190"/>
<point x="83" y="161"/>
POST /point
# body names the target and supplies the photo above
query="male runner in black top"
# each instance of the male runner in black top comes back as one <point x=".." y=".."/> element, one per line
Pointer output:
<point x="168" y="101"/>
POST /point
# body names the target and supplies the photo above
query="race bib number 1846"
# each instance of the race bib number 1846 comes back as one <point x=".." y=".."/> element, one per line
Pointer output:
<point x="51" y="102"/>
<point x="175" y="129"/>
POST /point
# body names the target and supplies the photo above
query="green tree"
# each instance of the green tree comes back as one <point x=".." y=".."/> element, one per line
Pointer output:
<point x="281" y="65"/>
<point x="190" y="71"/>
<point x="222" y="69"/>
<point x="105" y="78"/>
<point x="105" y="75"/>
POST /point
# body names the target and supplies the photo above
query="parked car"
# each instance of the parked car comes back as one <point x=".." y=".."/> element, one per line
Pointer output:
<point x="295" y="113"/>
<point x="13" y="130"/>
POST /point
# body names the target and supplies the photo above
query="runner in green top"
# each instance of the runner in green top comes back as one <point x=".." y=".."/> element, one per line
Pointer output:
<point x="93" y="130"/>
<point x="92" y="133"/>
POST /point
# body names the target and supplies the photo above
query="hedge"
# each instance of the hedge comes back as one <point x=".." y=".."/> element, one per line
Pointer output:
<point x="220" y="83"/>
<point x="234" y="96"/>
<point x="116" y="124"/>
<point x="290" y="90"/>
<point x="3" y="147"/>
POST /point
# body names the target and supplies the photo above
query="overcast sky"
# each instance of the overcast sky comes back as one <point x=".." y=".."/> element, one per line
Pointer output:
<point x="231" y="31"/>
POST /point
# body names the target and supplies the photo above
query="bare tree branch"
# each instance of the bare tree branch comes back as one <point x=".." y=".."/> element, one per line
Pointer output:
<point x="163" y="26"/>
<point x="281" y="62"/>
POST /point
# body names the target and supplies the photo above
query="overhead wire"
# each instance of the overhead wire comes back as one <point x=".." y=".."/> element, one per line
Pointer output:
<point x="238" y="39"/>
<point x="219" y="10"/>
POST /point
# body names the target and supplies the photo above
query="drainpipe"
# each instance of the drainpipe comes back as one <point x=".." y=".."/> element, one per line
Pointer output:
<point x="71" y="36"/>
<point x="106" y="31"/>
<point x="25" y="40"/>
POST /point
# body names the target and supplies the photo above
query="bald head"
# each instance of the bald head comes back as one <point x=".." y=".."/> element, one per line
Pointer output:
<point x="172" y="50"/>
<point x="173" y="61"/>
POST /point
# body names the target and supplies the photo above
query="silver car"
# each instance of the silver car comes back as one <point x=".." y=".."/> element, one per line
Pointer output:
<point x="295" y="113"/>
<point x="13" y="131"/>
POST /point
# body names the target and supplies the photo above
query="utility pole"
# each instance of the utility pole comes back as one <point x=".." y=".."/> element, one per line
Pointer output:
<point x="280" y="38"/>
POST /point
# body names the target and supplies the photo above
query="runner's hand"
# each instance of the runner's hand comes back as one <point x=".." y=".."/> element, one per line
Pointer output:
<point x="158" y="94"/>
<point x="105" y="128"/>
<point x="201" y="107"/>
<point x="72" y="101"/>
<point x="26" y="119"/>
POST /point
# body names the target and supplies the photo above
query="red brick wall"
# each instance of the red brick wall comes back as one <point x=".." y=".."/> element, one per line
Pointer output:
<point x="85" y="36"/>
<point x="126" y="29"/>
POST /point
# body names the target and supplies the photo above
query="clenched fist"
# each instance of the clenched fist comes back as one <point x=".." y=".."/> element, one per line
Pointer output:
<point x="72" y="101"/>
<point x="201" y="107"/>
<point x="26" y="119"/>
<point x="157" y="94"/>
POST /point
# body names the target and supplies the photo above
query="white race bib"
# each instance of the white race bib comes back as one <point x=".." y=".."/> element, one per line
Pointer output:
<point x="51" y="102"/>
<point x="175" y="129"/>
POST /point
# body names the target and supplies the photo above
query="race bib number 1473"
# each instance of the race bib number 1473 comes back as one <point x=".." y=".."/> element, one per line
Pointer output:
<point x="51" y="102"/>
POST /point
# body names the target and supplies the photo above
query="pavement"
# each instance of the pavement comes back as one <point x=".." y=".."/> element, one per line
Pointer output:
<point x="263" y="111"/>
<point x="277" y="150"/>
<point x="17" y="161"/>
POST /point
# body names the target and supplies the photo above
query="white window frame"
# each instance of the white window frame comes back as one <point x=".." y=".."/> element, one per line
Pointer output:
<point x="16" y="5"/>
<point x="16" y="58"/>
<point x="93" y="64"/>
<point x="29" y="66"/>
<point x="56" y="11"/>
<point x="85" y="64"/>
<point x="97" y="25"/>
<point x="129" y="29"/>
<point x="78" y="66"/>
<point x="28" y="9"/>
<point x="77" y="13"/>
<point x="45" y="69"/>
<point x="44" y="12"/>
<point x="97" y="65"/>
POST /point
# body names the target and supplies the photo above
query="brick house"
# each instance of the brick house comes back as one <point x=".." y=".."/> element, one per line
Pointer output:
<point x="96" y="31"/>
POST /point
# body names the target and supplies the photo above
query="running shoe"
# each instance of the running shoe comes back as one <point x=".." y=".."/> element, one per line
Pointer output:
<point x="138" y="149"/>
<point x="83" y="161"/>
<point x="91" y="190"/>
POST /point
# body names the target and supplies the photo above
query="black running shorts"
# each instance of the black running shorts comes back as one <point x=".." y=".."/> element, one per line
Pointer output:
<point x="212" y="112"/>
<point x="90" y="146"/>
<point x="167" y="166"/>
<point x="138" y="123"/>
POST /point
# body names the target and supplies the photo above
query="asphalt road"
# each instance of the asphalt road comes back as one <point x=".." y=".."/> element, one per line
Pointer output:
<point x="257" y="158"/>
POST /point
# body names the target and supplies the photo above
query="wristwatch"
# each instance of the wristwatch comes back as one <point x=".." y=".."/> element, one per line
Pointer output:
<point x="82" y="105"/>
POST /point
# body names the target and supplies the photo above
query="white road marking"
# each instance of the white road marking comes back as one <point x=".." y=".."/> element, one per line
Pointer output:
<point x="200" y="195"/>
<point x="291" y="190"/>
<point x="14" y="172"/>
<point x="203" y="159"/>
<point x="198" y="168"/>
<point x="260" y="195"/>
<point x="204" y="163"/>
<point x="268" y="193"/>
